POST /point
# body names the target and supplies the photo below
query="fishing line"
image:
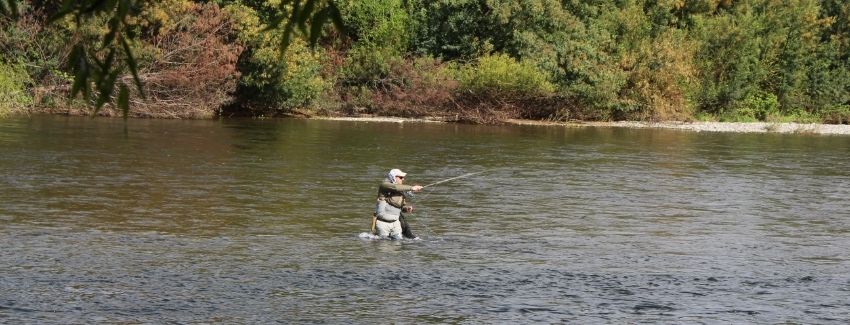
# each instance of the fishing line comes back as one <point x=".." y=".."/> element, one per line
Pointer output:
<point x="454" y="178"/>
<point x="423" y="221"/>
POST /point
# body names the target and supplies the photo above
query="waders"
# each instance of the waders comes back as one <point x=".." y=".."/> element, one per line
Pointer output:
<point x="405" y="228"/>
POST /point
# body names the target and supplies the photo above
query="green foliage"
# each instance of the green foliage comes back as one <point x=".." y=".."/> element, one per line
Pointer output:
<point x="838" y="114"/>
<point x="381" y="30"/>
<point x="35" y="47"/>
<point x="456" y="29"/>
<point x="576" y="48"/>
<point x="500" y="76"/>
<point x="729" y="59"/>
<point x="13" y="88"/>
<point x="623" y="59"/>
<point x="100" y="51"/>
<point x="306" y="16"/>
<point x="769" y="46"/>
<point x="791" y="34"/>
<point x="280" y="80"/>
<point x="301" y="84"/>
<point x="827" y="81"/>
<point x="282" y="83"/>
<point x="798" y="116"/>
<point x="758" y="106"/>
<point x="9" y="8"/>
<point x="656" y="61"/>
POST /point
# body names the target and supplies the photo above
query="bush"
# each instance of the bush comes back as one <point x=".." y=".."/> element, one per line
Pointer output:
<point x="34" y="50"/>
<point x="658" y="63"/>
<point x="729" y="60"/>
<point x="275" y="81"/>
<point x="777" y="47"/>
<point x="13" y="84"/>
<point x="758" y="106"/>
<point x="461" y="29"/>
<point x="380" y="28"/>
<point x="425" y="87"/>
<point x="281" y="82"/>
<point x="837" y="114"/>
<point x="502" y="77"/>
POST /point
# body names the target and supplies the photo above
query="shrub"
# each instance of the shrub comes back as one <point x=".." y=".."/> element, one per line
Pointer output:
<point x="462" y="29"/>
<point x="380" y="29"/>
<point x="502" y="77"/>
<point x="425" y="87"/>
<point x="729" y="59"/>
<point x="275" y="81"/>
<point x="658" y="63"/>
<point x="282" y="82"/>
<point x="13" y="84"/>
<point x="189" y="69"/>
<point x="767" y="46"/>
<point x="837" y="114"/>
<point x="34" y="50"/>
<point x="759" y="106"/>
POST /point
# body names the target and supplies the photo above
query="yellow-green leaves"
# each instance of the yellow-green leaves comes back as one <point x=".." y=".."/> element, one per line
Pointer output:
<point x="501" y="76"/>
<point x="96" y="69"/>
<point x="301" y="14"/>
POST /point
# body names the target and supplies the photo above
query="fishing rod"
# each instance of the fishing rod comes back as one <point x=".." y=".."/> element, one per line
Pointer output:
<point x="454" y="178"/>
<point x="443" y="181"/>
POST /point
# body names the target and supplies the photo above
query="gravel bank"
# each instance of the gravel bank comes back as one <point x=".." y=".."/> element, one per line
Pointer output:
<point x="755" y="127"/>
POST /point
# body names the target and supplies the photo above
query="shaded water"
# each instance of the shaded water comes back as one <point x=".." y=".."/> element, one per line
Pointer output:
<point x="247" y="221"/>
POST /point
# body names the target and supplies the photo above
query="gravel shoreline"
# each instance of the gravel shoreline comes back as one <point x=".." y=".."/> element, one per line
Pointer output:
<point x="753" y="127"/>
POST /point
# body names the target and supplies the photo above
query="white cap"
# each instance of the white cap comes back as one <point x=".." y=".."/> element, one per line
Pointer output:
<point x="398" y="172"/>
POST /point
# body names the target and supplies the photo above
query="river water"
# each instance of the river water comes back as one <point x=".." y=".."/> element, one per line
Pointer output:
<point x="258" y="221"/>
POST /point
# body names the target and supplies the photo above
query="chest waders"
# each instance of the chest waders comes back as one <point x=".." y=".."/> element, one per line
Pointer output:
<point x="405" y="227"/>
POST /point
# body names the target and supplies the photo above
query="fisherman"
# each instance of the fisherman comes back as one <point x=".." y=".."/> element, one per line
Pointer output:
<point x="389" y="220"/>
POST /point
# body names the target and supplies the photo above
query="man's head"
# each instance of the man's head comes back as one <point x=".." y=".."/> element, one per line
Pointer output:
<point x="396" y="176"/>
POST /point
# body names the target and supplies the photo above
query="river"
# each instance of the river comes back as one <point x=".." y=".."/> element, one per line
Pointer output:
<point x="258" y="221"/>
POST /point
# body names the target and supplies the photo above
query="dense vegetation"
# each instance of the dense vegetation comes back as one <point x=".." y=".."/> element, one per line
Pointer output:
<point x="473" y="60"/>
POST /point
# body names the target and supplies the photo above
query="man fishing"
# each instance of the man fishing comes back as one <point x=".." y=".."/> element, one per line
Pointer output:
<point x="389" y="220"/>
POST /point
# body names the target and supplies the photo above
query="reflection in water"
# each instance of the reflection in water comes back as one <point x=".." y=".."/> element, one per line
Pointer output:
<point x="257" y="221"/>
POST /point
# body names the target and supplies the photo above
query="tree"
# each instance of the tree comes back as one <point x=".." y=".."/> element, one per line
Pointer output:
<point x="98" y="63"/>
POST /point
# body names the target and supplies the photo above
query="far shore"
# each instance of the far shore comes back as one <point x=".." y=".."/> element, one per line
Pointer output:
<point x="739" y="127"/>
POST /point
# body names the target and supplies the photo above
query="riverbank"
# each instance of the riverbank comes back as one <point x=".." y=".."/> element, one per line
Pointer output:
<point x="737" y="127"/>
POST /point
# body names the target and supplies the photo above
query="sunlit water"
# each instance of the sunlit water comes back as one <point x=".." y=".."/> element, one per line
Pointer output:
<point x="247" y="221"/>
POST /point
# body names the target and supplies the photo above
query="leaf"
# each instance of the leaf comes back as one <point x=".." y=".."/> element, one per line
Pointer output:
<point x="274" y="23"/>
<point x="96" y="5"/>
<point x="287" y="35"/>
<point x="290" y="26"/>
<point x="124" y="100"/>
<point x="134" y="68"/>
<point x="123" y="8"/>
<point x="10" y="8"/>
<point x="106" y="87"/>
<point x="110" y="36"/>
<point x="67" y="7"/>
<point x="78" y="64"/>
<point x="106" y="65"/>
<point x="305" y="13"/>
<point x="319" y="20"/>
<point x="336" y="17"/>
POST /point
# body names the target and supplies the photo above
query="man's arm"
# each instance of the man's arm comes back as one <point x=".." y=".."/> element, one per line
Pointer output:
<point x="396" y="187"/>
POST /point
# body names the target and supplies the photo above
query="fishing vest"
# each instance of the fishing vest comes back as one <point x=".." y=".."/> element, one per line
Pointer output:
<point x="394" y="198"/>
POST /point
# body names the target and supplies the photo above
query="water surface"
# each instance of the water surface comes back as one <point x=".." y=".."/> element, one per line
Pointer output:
<point x="257" y="221"/>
